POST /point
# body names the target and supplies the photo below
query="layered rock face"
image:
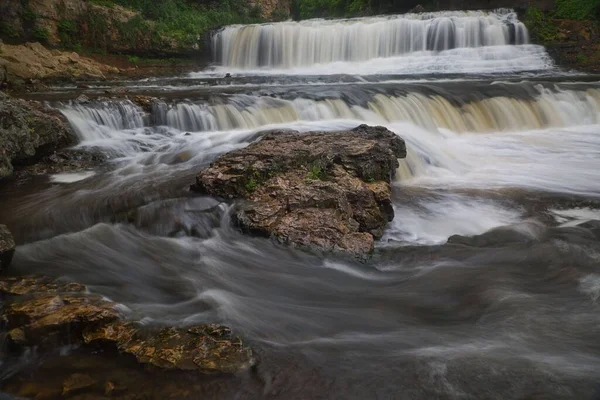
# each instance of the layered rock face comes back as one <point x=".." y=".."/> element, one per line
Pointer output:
<point x="328" y="191"/>
<point x="32" y="61"/>
<point x="28" y="131"/>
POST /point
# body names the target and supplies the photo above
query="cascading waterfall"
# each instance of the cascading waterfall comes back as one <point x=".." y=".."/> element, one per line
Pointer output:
<point x="98" y="119"/>
<point x="306" y="43"/>
<point x="499" y="113"/>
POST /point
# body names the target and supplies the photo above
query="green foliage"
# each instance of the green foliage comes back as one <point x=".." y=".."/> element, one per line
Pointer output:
<point x="8" y="30"/>
<point x="540" y="25"/>
<point x="582" y="58"/>
<point x="67" y="32"/>
<point x="103" y="3"/>
<point x="315" y="173"/>
<point x="185" y="21"/>
<point x="29" y="15"/>
<point x="41" y="34"/>
<point x="133" y="59"/>
<point x="251" y="185"/>
<point x="577" y="9"/>
<point x="332" y="8"/>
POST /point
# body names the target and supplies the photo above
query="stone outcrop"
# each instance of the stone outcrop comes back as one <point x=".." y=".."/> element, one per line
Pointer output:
<point x="321" y="190"/>
<point x="28" y="131"/>
<point x="7" y="247"/>
<point x="32" y="61"/>
<point x="39" y="311"/>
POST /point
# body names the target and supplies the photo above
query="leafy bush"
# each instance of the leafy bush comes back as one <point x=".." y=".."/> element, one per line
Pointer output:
<point x="41" y="34"/>
<point x="67" y="32"/>
<point x="577" y="9"/>
<point x="540" y="25"/>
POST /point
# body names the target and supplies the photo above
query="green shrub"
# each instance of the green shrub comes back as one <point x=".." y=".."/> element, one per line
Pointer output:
<point x="540" y="25"/>
<point x="133" y="59"/>
<point x="41" y="34"/>
<point x="577" y="9"/>
<point x="29" y="15"/>
<point x="251" y="185"/>
<point x="67" y="32"/>
<point x="316" y="173"/>
<point x="8" y="30"/>
<point x="582" y="58"/>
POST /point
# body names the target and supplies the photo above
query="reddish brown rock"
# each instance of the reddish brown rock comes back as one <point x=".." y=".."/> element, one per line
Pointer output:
<point x="321" y="190"/>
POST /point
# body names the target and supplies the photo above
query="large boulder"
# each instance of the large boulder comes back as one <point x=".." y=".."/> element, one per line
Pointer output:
<point x="328" y="191"/>
<point x="28" y="131"/>
<point x="7" y="247"/>
<point x="42" y="312"/>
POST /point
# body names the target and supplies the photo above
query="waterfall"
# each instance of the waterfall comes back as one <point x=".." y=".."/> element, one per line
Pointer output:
<point x="498" y="113"/>
<point x="96" y="120"/>
<point x="295" y="44"/>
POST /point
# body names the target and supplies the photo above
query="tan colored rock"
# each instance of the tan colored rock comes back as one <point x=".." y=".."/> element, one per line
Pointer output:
<point x="50" y="315"/>
<point x="77" y="383"/>
<point x="34" y="61"/>
<point x="322" y="190"/>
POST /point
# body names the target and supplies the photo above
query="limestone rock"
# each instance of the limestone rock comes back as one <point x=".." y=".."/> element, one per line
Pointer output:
<point x="322" y="190"/>
<point x="7" y="247"/>
<point x="42" y="312"/>
<point x="31" y="61"/>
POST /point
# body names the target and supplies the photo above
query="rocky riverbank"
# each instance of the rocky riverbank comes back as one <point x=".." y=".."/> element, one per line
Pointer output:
<point x="326" y="191"/>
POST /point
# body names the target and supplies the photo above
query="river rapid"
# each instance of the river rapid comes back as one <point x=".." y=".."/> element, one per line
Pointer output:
<point x="501" y="143"/>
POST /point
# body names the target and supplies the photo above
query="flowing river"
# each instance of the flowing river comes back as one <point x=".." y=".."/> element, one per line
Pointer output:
<point x="499" y="140"/>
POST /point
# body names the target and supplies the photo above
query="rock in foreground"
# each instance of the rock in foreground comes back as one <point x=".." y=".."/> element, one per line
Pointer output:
<point x="321" y="190"/>
<point x="44" y="313"/>
<point x="7" y="247"/>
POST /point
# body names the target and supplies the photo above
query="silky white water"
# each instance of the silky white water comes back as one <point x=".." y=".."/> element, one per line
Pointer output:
<point x="307" y="43"/>
<point x="545" y="142"/>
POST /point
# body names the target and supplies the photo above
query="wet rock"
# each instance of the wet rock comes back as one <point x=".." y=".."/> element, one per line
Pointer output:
<point x="498" y="237"/>
<point x="46" y="313"/>
<point x="325" y="191"/>
<point x="77" y="383"/>
<point x="145" y="102"/>
<point x="7" y="247"/>
<point x="208" y="348"/>
<point x="417" y="9"/>
<point x="28" y="131"/>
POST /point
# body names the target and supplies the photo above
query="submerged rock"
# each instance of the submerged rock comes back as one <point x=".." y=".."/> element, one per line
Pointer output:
<point x="322" y="190"/>
<point x="45" y="313"/>
<point x="7" y="247"/>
